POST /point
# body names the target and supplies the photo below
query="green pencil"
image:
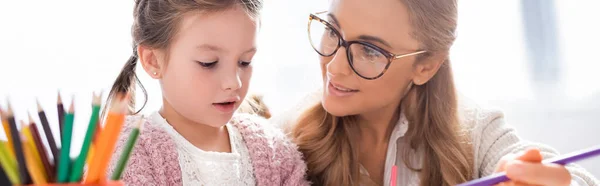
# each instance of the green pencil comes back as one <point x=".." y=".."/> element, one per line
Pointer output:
<point x="64" y="161"/>
<point x="127" y="151"/>
<point x="8" y="164"/>
<point x="77" y="171"/>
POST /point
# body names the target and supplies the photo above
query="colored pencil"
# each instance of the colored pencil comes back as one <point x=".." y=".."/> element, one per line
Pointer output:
<point x="127" y="151"/>
<point x="18" y="146"/>
<point x="4" y="180"/>
<point x="37" y="160"/>
<point x="6" y="126"/>
<point x="64" y="161"/>
<point x="43" y="154"/>
<point x="32" y="165"/>
<point x="60" y="110"/>
<point x="77" y="171"/>
<point x="393" y="175"/>
<point x="8" y="164"/>
<point x="93" y="144"/>
<point x="106" y="143"/>
<point x="561" y="160"/>
<point x="49" y="137"/>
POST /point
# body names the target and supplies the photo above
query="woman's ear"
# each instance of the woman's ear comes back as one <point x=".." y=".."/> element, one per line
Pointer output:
<point x="425" y="70"/>
<point x="149" y="58"/>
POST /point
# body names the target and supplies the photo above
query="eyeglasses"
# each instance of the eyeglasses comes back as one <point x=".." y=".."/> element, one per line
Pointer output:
<point x="366" y="60"/>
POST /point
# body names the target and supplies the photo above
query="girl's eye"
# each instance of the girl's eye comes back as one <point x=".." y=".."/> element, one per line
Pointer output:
<point x="207" y="64"/>
<point x="244" y="63"/>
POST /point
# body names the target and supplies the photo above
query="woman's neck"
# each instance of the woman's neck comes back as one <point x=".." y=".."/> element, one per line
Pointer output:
<point x="376" y="127"/>
<point x="202" y="136"/>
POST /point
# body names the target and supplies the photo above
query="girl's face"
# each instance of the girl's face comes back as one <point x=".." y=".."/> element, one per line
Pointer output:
<point x="206" y="73"/>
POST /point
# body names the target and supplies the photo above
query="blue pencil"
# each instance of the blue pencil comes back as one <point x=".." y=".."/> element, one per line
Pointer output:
<point x="561" y="160"/>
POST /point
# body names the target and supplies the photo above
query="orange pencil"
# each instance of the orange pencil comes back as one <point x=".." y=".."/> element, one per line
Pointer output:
<point x="106" y="142"/>
<point x="4" y="118"/>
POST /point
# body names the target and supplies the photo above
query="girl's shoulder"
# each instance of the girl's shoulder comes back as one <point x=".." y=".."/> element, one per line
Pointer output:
<point x="255" y="128"/>
<point x="276" y="160"/>
<point x="151" y="133"/>
<point x="154" y="157"/>
<point x="263" y="138"/>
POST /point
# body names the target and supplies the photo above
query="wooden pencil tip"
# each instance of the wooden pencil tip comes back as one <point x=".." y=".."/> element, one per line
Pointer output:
<point x="72" y="107"/>
<point x="97" y="100"/>
<point x="9" y="111"/>
<point x="39" y="105"/>
<point x="22" y="124"/>
<point x="59" y="99"/>
<point x="140" y="123"/>
<point x="29" y="117"/>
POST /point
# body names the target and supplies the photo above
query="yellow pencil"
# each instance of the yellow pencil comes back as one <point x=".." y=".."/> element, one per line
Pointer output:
<point x="93" y="145"/>
<point x="37" y="160"/>
<point x="4" y="118"/>
<point x="90" y="153"/>
<point x="34" y="170"/>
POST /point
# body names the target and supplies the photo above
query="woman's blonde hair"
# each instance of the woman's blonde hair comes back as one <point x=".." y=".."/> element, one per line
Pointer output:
<point x="431" y="109"/>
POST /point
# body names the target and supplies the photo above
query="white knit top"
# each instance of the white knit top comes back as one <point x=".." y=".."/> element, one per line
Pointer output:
<point x="491" y="138"/>
<point x="199" y="167"/>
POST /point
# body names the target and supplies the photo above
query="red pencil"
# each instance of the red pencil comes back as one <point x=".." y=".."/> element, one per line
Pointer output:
<point x="40" y="147"/>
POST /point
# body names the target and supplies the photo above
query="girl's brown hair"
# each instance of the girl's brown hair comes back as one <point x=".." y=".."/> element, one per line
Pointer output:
<point x="431" y="109"/>
<point x="155" y="23"/>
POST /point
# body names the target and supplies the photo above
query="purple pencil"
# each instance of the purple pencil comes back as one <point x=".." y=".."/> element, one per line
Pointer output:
<point x="561" y="160"/>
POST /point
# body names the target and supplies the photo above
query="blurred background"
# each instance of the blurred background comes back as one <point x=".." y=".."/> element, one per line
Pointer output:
<point x="535" y="59"/>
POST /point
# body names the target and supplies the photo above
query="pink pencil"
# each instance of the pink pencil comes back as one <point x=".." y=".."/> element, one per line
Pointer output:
<point x="393" y="176"/>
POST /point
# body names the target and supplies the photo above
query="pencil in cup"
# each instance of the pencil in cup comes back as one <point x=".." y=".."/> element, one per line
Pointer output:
<point x="41" y="150"/>
<point x="77" y="171"/>
<point x="60" y="111"/>
<point x="106" y="142"/>
<point x="18" y="147"/>
<point x="133" y="136"/>
<point x="93" y="144"/>
<point x="4" y="120"/>
<point x="32" y="156"/>
<point x="8" y="164"/>
<point x="50" y="139"/>
<point x="31" y="161"/>
<point x="64" y="162"/>
<point x="561" y="160"/>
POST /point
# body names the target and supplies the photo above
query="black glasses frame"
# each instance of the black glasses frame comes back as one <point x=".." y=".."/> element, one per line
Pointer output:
<point x="341" y="42"/>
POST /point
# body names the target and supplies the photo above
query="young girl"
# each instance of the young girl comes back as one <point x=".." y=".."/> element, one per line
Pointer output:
<point x="389" y="99"/>
<point x="201" y="53"/>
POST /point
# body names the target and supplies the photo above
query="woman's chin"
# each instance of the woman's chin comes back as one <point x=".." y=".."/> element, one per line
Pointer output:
<point x="336" y="109"/>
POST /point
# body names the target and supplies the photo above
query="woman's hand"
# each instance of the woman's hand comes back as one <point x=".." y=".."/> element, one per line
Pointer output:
<point x="527" y="169"/>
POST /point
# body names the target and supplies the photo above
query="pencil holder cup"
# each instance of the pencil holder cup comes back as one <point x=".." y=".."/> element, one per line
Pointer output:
<point x="110" y="183"/>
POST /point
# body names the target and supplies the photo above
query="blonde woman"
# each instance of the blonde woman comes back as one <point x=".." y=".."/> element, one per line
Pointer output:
<point x="389" y="99"/>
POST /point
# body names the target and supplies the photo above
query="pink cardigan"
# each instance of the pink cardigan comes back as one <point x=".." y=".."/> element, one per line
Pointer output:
<point x="154" y="160"/>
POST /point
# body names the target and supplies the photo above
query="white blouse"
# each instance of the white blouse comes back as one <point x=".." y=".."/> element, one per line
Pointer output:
<point x="199" y="167"/>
